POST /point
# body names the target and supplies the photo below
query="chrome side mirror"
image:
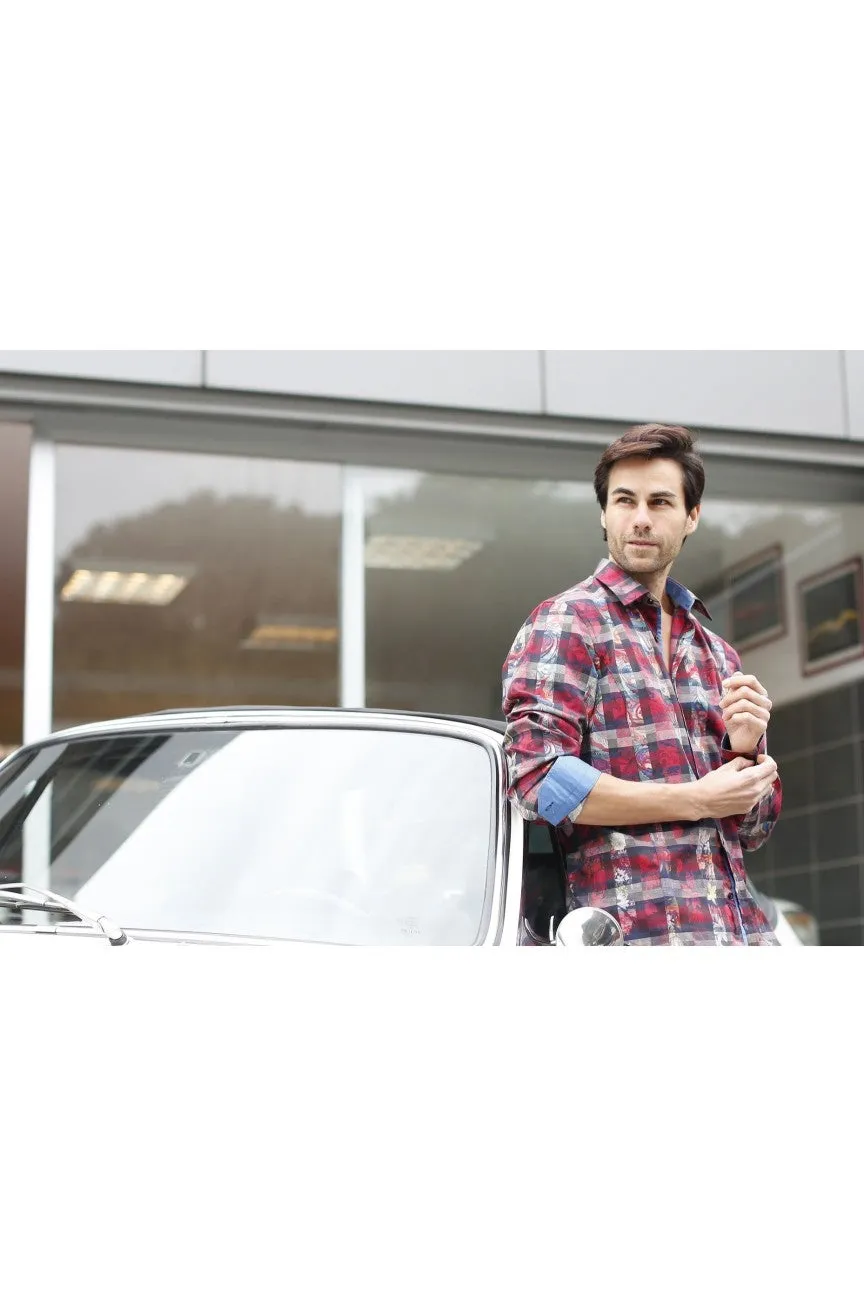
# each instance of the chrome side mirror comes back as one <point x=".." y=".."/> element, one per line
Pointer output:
<point x="588" y="927"/>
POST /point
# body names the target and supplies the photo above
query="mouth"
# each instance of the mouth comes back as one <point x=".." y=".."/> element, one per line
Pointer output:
<point x="642" y="544"/>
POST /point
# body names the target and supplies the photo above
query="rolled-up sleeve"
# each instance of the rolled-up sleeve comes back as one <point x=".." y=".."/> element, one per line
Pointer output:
<point x="756" y="826"/>
<point x="564" y="788"/>
<point x="549" y="692"/>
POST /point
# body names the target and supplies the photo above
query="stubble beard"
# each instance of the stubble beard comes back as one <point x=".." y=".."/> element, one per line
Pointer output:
<point x="647" y="562"/>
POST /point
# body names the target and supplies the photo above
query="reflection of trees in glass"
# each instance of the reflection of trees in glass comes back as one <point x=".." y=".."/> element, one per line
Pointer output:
<point x="437" y="626"/>
<point x="251" y="558"/>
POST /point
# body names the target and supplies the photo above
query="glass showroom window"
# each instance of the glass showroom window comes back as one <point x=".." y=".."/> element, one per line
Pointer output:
<point x="191" y="580"/>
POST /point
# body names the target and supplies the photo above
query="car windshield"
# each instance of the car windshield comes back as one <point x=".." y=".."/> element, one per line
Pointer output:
<point x="334" y="834"/>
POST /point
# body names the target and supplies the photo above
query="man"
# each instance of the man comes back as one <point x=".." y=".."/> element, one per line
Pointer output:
<point x="631" y="727"/>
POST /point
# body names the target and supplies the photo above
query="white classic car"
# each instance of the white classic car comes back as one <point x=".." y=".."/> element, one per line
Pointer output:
<point x="268" y="824"/>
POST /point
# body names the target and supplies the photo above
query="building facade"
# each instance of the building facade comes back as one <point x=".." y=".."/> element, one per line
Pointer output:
<point x="371" y="528"/>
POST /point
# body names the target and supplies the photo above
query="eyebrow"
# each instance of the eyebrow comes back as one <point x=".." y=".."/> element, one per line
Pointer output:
<point x="660" y="494"/>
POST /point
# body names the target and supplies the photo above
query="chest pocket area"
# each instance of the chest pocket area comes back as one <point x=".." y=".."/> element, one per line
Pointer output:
<point x="698" y="697"/>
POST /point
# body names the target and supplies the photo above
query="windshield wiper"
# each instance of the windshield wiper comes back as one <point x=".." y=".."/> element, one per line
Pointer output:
<point x="51" y="902"/>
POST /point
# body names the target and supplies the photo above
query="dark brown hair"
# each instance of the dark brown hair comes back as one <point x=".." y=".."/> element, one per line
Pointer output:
<point x="654" y="441"/>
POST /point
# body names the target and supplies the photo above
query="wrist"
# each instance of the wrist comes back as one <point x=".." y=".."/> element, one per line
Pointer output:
<point x="691" y="807"/>
<point x="749" y="752"/>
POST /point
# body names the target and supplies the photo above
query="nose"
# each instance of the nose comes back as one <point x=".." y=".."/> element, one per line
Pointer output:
<point x="642" y="519"/>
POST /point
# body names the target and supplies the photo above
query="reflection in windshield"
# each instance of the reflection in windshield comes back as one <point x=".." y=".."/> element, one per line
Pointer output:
<point x="351" y="836"/>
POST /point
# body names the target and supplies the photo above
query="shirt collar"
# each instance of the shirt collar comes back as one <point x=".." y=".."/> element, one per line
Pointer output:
<point x="627" y="590"/>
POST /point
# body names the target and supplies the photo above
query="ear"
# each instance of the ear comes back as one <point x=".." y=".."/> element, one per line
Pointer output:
<point x="603" y="519"/>
<point x="693" y="520"/>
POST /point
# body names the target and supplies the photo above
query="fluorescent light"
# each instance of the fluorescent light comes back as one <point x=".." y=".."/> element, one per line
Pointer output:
<point x="124" y="583"/>
<point x="293" y="634"/>
<point x="418" y="553"/>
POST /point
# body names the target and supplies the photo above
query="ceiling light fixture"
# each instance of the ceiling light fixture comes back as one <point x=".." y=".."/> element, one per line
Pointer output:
<point x="292" y="634"/>
<point x="124" y="583"/>
<point x="418" y="553"/>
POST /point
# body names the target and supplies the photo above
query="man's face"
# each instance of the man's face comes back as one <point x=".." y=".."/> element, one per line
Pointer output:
<point x="646" y="518"/>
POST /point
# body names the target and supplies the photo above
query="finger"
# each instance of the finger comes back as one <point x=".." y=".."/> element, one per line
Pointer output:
<point x="765" y="780"/>
<point x="746" y="711"/>
<point x="728" y="700"/>
<point x="739" y="680"/>
<point x="746" y="706"/>
<point x="741" y="763"/>
<point x="738" y="694"/>
<point x="759" y="790"/>
<point x="764" y="759"/>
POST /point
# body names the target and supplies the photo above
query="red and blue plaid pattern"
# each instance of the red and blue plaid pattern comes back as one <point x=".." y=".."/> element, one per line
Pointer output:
<point x="585" y="677"/>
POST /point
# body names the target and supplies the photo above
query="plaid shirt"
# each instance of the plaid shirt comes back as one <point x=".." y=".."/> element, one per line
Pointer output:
<point x="586" y="679"/>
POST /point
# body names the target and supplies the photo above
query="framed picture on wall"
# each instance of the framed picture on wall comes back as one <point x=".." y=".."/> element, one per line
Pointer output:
<point x="830" y="610"/>
<point x="755" y="595"/>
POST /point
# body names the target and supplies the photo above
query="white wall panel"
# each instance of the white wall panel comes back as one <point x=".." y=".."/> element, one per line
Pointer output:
<point x="180" y="368"/>
<point x="855" y="386"/>
<point x="499" y="380"/>
<point x="769" y="391"/>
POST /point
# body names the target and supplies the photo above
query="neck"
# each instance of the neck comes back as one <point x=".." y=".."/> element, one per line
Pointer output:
<point x="655" y="583"/>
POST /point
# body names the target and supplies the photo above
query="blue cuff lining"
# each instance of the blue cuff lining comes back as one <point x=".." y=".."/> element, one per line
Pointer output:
<point x="565" y="787"/>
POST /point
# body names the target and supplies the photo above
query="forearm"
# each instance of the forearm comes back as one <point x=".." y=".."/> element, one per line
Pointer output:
<point x="567" y="785"/>
<point x="615" y="802"/>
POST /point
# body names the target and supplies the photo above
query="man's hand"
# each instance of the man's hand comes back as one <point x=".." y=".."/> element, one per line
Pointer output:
<point x="733" y="789"/>
<point x="746" y="711"/>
